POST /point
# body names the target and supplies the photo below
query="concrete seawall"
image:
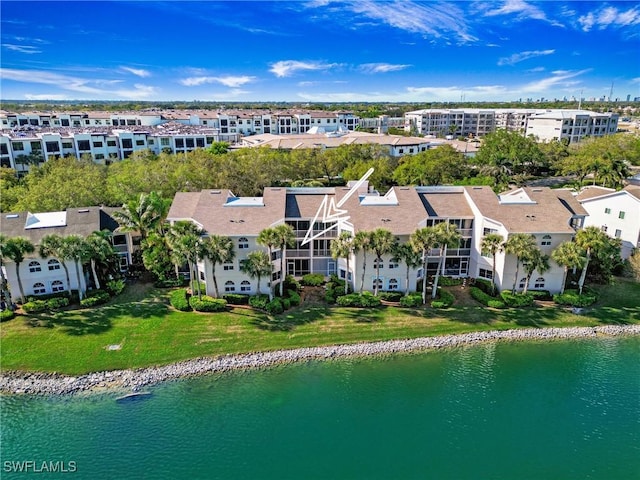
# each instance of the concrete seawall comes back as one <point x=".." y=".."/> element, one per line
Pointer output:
<point x="132" y="380"/>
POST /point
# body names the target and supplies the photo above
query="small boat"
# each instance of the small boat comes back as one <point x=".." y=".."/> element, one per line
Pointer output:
<point x="134" y="396"/>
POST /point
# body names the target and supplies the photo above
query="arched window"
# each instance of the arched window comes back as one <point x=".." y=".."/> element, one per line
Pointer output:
<point x="377" y="281"/>
<point x="38" y="288"/>
<point x="375" y="263"/>
<point x="539" y="283"/>
<point x="53" y="264"/>
<point x="34" y="267"/>
<point x="393" y="284"/>
<point x="523" y="282"/>
<point x="243" y="242"/>
<point x="57" y="286"/>
<point x="229" y="286"/>
<point x="546" y="240"/>
<point x="245" y="286"/>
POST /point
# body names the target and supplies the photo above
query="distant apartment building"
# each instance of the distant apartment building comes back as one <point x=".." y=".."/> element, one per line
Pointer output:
<point x="545" y="125"/>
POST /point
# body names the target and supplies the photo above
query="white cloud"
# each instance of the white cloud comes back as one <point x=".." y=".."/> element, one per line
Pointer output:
<point x="139" y="72"/>
<point x="381" y="67"/>
<point x="558" y="79"/>
<point x="519" y="57"/>
<point x="84" y="86"/>
<point x="228" y="81"/>
<point x="28" y="49"/>
<point x="45" y="96"/>
<point x="286" y="68"/>
<point x="430" y="20"/>
<point x="608" y="16"/>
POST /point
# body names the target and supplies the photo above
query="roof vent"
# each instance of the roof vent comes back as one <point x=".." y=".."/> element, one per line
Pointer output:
<point x="13" y="215"/>
<point x="214" y="192"/>
<point x="84" y="210"/>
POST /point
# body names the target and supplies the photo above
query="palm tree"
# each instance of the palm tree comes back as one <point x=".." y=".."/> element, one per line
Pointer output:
<point x="184" y="238"/>
<point x="492" y="244"/>
<point x="256" y="265"/>
<point x="447" y="234"/>
<point x="591" y="239"/>
<point x="100" y="250"/>
<point x="5" y="294"/>
<point x="535" y="261"/>
<point x="423" y="240"/>
<point x="382" y="243"/>
<point x="286" y="238"/>
<point x="218" y="249"/>
<point x="76" y="249"/>
<point x="362" y="242"/>
<point x="52" y="245"/>
<point x="411" y="258"/>
<point x="269" y="238"/>
<point x="143" y="215"/>
<point x="342" y="247"/>
<point x="15" y="250"/>
<point x="521" y="245"/>
<point x="568" y="255"/>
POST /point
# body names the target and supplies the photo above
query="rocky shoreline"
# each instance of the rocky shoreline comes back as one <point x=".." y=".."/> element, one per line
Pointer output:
<point x="16" y="382"/>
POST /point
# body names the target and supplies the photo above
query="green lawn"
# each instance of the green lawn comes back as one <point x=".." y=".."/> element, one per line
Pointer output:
<point x="151" y="333"/>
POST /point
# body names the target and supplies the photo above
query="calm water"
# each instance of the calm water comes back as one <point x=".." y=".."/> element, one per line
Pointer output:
<point x="560" y="410"/>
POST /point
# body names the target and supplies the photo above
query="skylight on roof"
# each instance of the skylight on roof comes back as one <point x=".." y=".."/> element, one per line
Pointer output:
<point x="244" y="202"/>
<point x="389" y="199"/>
<point x="45" y="220"/>
<point x="516" y="197"/>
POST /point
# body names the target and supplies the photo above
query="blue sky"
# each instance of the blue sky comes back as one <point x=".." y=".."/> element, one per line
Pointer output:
<point x="319" y="51"/>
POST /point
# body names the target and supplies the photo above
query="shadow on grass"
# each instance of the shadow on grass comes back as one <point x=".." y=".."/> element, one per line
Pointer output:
<point x="97" y="320"/>
<point x="290" y="319"/>
<point x="617" y="316"/>
<point x="535" y="317"/>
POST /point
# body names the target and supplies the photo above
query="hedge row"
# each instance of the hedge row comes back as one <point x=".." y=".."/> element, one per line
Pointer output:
<point x="412" y="300"/>
<point x="486" y="299"/>
<point x="207" y="304"/>
<point x="334" y="289"/>
<point x="449" y="281"/>
<point x="445" y="299"/>
<point x="53" y="303"/>
<point x="390" y="296"/>
<point x="574" y="299"/>
<point x="516" y="299"/>
<point x="97" y="297"/>
<point x="313" y="279"/>
<point x="361" y="300"/>
<point x="179" y="300"/>
<point x="236" y="298"/>
<point x="6" y="315"/>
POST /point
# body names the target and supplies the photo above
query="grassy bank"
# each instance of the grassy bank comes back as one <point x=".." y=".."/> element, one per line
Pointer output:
<point x="149" y="332"/>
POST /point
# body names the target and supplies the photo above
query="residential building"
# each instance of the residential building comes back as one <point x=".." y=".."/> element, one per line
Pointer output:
<point x="617" y="213"/>
<point x="552" y="216"/>
<point x="45" y="275"/>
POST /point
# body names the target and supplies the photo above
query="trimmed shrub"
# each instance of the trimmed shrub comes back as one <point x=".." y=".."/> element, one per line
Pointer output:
<point x="274" y="307"/>
<point x="236" y="298"/>
<point x="170" y="282"/>
<point x="516" y="299"/>
<point x="286" y="303"/>
<point x="449" y="281"/>
<point x="541" y="294"/>
<point x="115" y="287"/>
<point x="57" y="302"/>
<point x="390" y="296"/>
<point x="207" y="304"/>
<point x="6" y="315"/>
<point x="364" y="300"/>
<point x="179" y="300"/>
<point x="486" y="299"/>
<point x="294" y="298"/>
<point x="97" y="297"/>
<point x="412" y="300"/>
<point x="291" y="283"/>
<point x="259" y="301"/>
<point x="445" y="299"/>
<point x="573" y="298"/>
<point x="35" y="306"/>
<point x="313" y="279"/>
<point x="334" y="289"/>
<point x="485" y="285"/>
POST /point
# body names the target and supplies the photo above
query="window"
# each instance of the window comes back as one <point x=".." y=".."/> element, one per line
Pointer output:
<point x="393" y="284"/>
<point x="522" y="282"/>
<point x="378" y="282"/>
<point x="127" y="143"/>
<point x="200" y="142"/>
<point x="97" y="144"/>
<point x="99" y="156"/>
<point x="243" y="243"/>
<point x="375" y="263"/>
<point x="67" y="145"/>
<point x="38" y="288"/>
<point x="621" y="215"/>
<point x="189" y="142"/>
<point x="17" y="145"/>
<point x="34" y="267"/>
<point x="227" y="266"/>
<point x="201" y="276"/>
<point x="484" y="273"/>
<point x="84" y="145"/>
<point x="140" y="143"/>
<point x="53" y="264"/>
<point x="618" y="233"/>
<point x="487" y="231"/>
<point x="179" y="142"/>
<point x="604" y="228"/>
<point x="119" y="240"/>
<point x="164" y="142"/>
<point x="57" y="286"/>
<point x="393" y="263"/>
<point x="245" y="286"/>
<point x="546" y="240"/>
<point x="229" y="286"/>
<point x="539" y="283"/>
<point x="111" y="143"/>
<point x="607" y="211"/>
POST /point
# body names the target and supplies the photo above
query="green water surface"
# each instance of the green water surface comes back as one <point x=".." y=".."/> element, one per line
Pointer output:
<point x="555" y="410"/>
